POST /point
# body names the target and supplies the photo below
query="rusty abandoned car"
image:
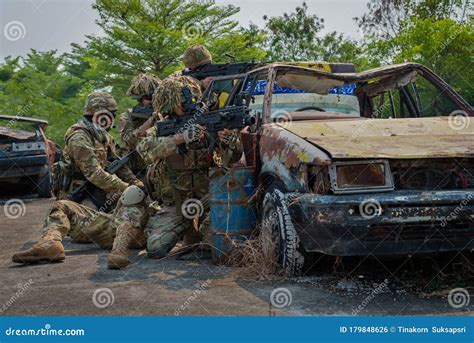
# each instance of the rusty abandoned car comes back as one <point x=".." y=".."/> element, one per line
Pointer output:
<point x="26" y="154"/>
<point x="353" y="164"/>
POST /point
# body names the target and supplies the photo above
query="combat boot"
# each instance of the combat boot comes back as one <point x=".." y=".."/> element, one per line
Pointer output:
<point x="118" y="258"/>
<point x="47" y="250"/>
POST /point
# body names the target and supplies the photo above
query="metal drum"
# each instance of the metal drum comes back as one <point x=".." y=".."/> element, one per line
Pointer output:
<point x="233" y="215"/>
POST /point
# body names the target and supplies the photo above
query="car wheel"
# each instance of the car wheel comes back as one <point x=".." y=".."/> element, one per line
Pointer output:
<point x="44" y="184"/>
<point x="279" y="232"/>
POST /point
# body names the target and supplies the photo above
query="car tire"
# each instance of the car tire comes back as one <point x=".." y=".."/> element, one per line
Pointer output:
<point x="44" y="184"/>
<point x="277" y="228"/>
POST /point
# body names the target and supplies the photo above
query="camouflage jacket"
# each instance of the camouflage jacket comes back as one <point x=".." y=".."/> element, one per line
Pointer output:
<point x="188" y="173"/>
<point x="129" y="125"/>
<point x="87" y="152"/>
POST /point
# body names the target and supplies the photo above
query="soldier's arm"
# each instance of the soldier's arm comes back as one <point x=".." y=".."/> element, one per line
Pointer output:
<point x="83" y="152"/>
<point x="124" y="173"/>
<point x="130" y="135"/>
<point x="232" y="151"/>
<point x="153" y="148"/>
<point x="127" y="175"/>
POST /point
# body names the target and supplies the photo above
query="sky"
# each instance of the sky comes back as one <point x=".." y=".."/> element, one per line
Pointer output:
<point x="55" y="24"/>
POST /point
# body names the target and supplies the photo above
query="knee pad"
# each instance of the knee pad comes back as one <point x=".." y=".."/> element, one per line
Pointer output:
<point x="132" y="195"/>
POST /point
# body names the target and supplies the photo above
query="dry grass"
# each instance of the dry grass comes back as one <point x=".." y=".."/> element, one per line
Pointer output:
<point x="256" y="259"/>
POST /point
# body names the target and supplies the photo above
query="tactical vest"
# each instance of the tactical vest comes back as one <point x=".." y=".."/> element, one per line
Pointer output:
<point x="67" y="176"/>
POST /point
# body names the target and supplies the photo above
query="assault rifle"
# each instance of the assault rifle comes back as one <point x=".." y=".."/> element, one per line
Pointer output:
<point x="97" y="195"/>
<point x="142" y="112"/>
<point x="223" y="69"/>
<point x="231" y="117"/>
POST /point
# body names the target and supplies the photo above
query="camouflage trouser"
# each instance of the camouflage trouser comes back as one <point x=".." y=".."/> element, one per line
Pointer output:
<point x="86" y="225"/>
<point x="164" y="230"/>
<point x="167" y="227"/>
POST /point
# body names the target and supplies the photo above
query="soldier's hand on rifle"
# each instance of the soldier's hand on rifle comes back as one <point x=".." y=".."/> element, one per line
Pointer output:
<point x="226" y="136"/>
<point x="206" y="82"/>
<point x="138" y="183"/>
<point x="194" y="133"/>
<point x="145" y="126"/>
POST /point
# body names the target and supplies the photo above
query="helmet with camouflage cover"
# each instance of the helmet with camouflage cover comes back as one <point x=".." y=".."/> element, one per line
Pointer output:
<point x="195" y="56"/>
<point x="169" y="94"/>
<point x="99" y="101"/>
<point x="143" y="85"/>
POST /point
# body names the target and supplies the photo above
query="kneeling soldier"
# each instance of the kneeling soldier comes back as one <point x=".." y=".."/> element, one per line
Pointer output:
<point x="119" y="230"/>
<point x="187" y="160"/>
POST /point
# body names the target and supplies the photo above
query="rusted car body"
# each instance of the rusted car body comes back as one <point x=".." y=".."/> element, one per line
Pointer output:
<point x="379" y="162"/>
<point x="26" y="154"/>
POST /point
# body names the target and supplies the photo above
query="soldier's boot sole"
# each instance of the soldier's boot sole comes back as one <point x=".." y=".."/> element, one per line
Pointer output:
<point x="54" y="252"/>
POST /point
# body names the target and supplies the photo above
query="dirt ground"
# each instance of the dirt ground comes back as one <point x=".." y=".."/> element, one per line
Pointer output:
<point x="82" y="284"/>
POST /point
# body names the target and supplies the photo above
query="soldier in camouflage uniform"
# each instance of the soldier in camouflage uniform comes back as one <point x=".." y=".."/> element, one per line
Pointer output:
<point x="89" y="148"/>
<point x="120" y="230"/>
<point x="187" y="168"/>
<point x="134" y="123"/>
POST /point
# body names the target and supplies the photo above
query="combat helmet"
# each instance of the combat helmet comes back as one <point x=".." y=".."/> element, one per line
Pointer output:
<point x="169" y="93"/>
<point x="99" y="101"/>
<point x="195" y="56"/>
<point x="143" y="85"/>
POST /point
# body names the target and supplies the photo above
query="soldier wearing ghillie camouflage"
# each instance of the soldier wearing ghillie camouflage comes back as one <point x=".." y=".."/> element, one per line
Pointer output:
<point x="89" y="148"/>
<point x="134" y="123"/>
<point x="187" y="169"/>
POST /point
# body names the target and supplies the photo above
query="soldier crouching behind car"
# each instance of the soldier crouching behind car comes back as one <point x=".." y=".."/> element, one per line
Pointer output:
<point x="120" y="230"/>
<point x="187" y="159"/>
<point x="134" y="123"/>
<point x="88" y="149"/>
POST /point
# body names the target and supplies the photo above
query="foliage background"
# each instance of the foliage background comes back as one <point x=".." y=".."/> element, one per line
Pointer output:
<point x="151" y="35"/>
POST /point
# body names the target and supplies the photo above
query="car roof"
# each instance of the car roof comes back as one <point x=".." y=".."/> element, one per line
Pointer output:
<point x="348" y="77"/>
<point x="41" y="122"/>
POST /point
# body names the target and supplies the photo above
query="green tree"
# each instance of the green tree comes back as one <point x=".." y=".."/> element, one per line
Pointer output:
<point x="297" y="37"/>
<point x="384" y="18"/>
<point x="151" y="35"/>
<point x="37" y="86"/>
<point x="443" y="45"/>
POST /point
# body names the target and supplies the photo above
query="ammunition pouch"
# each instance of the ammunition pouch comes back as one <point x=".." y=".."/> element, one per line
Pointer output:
<point x="62" y="178"/>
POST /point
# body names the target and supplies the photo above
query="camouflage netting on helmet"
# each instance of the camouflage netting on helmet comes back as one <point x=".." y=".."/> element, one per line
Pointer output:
<point x="143" y="85"/>
<point x="196" y="55"/>
<point x="169" y="95"/>
<point x="97" y="101"/>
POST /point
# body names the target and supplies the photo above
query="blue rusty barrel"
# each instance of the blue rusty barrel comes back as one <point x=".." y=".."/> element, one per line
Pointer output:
<point x="233" y="216"/>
